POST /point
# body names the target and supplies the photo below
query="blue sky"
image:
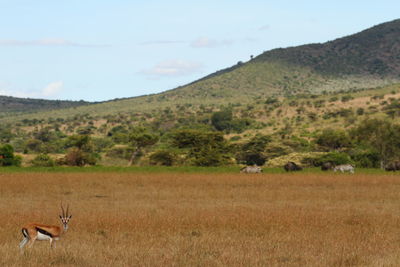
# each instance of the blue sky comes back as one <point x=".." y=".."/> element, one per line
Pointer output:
<point x="104" y="49"/>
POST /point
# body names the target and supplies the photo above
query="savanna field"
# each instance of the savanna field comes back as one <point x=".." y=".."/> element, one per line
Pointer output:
<point x="204" y="219"/>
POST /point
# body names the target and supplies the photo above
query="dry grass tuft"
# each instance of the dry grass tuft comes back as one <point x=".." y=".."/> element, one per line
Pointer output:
<point x="122" y="219"/>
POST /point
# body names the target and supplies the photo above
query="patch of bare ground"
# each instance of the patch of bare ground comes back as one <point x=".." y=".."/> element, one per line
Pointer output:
<point x="122" y="219"/>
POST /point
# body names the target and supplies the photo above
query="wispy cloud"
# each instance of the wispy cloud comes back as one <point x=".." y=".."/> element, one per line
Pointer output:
<point x="264" y="28"/>
<point x="173" y="68"/>
<point x="51" y="90"/>
<point x="161" y="42"/>
<point x="205" y="42"/>
<point x="46" y="42"/>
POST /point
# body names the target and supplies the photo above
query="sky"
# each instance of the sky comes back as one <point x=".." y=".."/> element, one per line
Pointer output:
<point x="97" y="50"/>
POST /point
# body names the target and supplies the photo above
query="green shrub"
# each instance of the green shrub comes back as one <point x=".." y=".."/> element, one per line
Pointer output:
<point x="366" y="159"/>
<point x="121" y="152"/>
<point x="336" y="158"/>
<point x="162" y="157"/>
<point x="43" y="160"/>
<point x="77" y="157"/>
<point x="7" y="157"/>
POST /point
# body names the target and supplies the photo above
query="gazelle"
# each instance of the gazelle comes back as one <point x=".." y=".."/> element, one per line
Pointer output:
<point x="43" y="232"/>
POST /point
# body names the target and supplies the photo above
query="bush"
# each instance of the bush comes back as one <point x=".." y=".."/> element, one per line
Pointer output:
<point x="43" y="160"/>
<point x="76" y="157"/>
<point x="121" y="152"/>
<point x="335" y="158"/>
<point x="331" y="139"/>
<point x="162" y="157"/>
<point x="366" y="159"/>
<point x="7" y="157"/>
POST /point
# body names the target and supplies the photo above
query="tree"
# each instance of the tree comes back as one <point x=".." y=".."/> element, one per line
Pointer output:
<point x="203" y="148"/>
<point x="7" y="157"/>
<point x="222" y="120"/>
<point x="332" y="140"/>
<point x="252" y="152"/>
<point x="140" y="139"/>
<point x="80" y="151"/>
<point x="382" y="136"/>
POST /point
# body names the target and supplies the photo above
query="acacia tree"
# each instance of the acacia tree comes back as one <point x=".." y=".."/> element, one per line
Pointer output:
<point x="333" y="140"/>
<point x="203" y="148"/>
<point x="140" y="139"/>
<point x="380" y="135"/>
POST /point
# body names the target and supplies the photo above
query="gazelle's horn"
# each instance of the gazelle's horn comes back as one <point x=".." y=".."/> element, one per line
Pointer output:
<point x="63" y="212"/>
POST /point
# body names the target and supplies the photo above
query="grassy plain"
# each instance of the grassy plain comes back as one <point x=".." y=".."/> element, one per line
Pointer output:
<point x="204" y="219"/>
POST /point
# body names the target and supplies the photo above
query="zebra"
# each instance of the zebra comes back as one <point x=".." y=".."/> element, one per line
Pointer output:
<point x="251" y="169"/>
<point x="344" y="168"/>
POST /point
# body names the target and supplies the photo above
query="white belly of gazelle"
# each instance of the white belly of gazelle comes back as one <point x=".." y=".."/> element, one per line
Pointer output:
<point x="42" y="237"/>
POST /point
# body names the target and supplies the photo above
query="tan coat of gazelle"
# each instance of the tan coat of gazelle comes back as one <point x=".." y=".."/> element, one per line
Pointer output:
<point x="44" y="232"/>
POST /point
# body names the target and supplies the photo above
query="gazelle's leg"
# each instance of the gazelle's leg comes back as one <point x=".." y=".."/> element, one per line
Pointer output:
<point x="31" y="242"/>
<point x="23" y="242"/>
<point x="51" y="243"/>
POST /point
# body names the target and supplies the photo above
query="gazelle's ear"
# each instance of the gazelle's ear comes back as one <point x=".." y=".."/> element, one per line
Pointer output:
<point x="70" y="216"/>
<point x="60" y="216"/>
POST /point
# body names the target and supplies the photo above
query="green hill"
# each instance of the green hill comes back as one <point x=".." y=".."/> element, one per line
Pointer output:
<point x="365" y="60"/>
<point x="10" y="104"/>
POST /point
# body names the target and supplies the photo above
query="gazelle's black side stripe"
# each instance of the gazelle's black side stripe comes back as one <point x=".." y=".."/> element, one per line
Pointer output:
<point x="25" y="232"/>
<point x="43" y="231"/>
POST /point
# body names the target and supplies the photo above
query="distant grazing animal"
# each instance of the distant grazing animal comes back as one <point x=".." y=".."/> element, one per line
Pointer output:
<point x="393" y="166"/>
<point x="43" y="232"/>
<point x="291" y="166"/>
<point x="344" y="168"/>
<point x="251" y="169"/>
<point x="327" y="166"/>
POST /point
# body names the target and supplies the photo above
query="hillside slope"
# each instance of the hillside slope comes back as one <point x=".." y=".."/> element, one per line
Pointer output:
<point x="368" y="59"/>
<point x="375" y="51"/>
<point x="10" y="104"/>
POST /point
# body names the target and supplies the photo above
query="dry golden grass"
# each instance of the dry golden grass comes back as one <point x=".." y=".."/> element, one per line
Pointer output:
<point x="126" y="219"/>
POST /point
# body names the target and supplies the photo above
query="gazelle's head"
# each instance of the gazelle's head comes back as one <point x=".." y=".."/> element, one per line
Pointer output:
<point x="65" y="217"/>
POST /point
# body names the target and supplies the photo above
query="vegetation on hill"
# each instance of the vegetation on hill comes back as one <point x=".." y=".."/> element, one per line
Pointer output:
<point x="276" y="107"/>
<point x="375" y="51"/>
<point x="10" y="104"/>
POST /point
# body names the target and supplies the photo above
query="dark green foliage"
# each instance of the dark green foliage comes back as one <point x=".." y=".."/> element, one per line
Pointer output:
<point x="140" y="139"/>
<point x="360" y="111"/>
<point x="119" y="134"/>
<point x="336" y="158"/>
<point x="101" y="144"/>
<point x="381" y="136"/>
<point x="222" y="120"/>
<point x="346" y="98"/>
<point x="80" y="151"/>
<point x="78" y="157"/>
<point x="163" y="158"/>
<point x="121" y="152"/>
<point x="5" y="134"/>
<point x="368" y="52"/>
<point x="365" y="158"/>
<point x="14" y="104"/>
<point x="392" y="109"/>
<point x="253" y="151"/>
<point x="82" y="142"/>
<point x="7" y="157"/>
<point x="43" y="160"/>
<point x="203" y="148"/>
<point x="331" y="139"/>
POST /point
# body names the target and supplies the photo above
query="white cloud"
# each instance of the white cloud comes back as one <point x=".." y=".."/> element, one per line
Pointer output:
<point x="264" y="28"/>
<point x="161" y="42"/>
<point x="173" y="68"/>
<point x="45" y="42"/>
<point x="205" y="42"/>
<point x="52" y="90"/>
